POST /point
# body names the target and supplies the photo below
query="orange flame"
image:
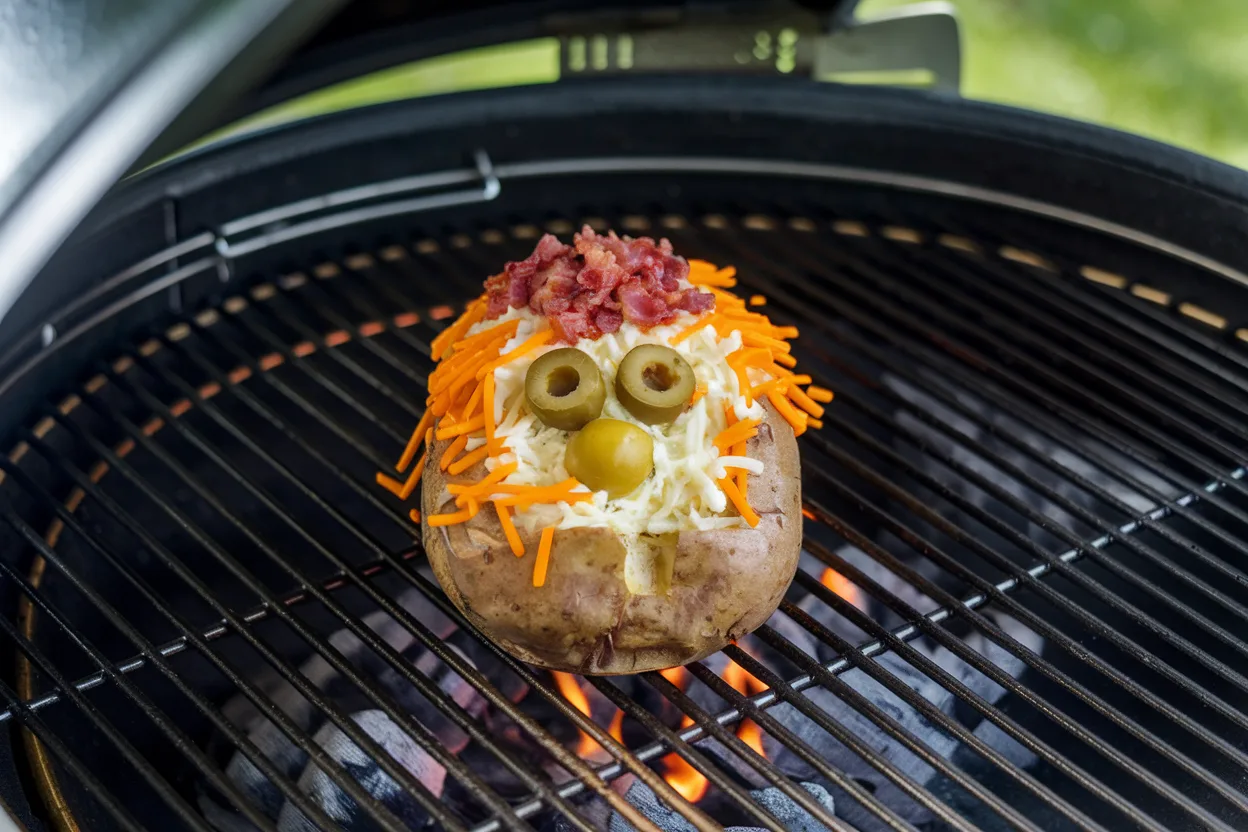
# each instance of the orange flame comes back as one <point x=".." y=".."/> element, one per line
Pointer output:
<point x="576" y="697"/>
<point x="688" y="782"/>
<point x="841" y="585"/>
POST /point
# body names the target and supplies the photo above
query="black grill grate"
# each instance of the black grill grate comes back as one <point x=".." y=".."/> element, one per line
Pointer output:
<point x="1029" y="487"/>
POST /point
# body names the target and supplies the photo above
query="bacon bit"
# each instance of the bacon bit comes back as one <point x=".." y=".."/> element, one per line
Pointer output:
<point x="819" y="394"/>
<point x="532" y="343"/>
<point x="543" y="555"/>
<point x="509" y="530"/>
<point x="413" y="444"/>
<point x="804" y="401"/>
<point x="758" y="300"/>
<point x="467" y="461"/>
<point x="448" y="456"/>
<point x="461" y="428"/>
<point x="699" y="390"/>
<point x="737" y="499"/>
<point x="739" y="432"/>
<point x="463" y="516"/>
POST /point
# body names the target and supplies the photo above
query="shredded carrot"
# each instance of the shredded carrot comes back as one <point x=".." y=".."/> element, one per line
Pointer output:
<point x="509" y="530"/>
<point x="413" y="444"/>
<point x="734" y="496"/>
<point x="739" y="432"/>
<point x="530" y="344"/>
<point x="784" y="408"/>
<point x="758" y="300"/>
<point x="805" y="402"/>
<point x="473" y="313"/>
<point x="723" y="278"/>
<point x="468" y="460"/>
<point x="413" y="479"/>
<point x="693" y="329"/>
<point x="462" y="428"/>
<point x="448" y="456"/>
<point x="487" y="335"/>
<point x="819" y="394"/>
<point x="389" y="483"/>
<point x="753" y="339"/>
<point x="474" y="401"/>
<point x="699" y="390"/>
<point x="543" y="555"/>
<point x="485" y="485"/>
<point x="461" y="516"/>
<point x="488" y="404"/>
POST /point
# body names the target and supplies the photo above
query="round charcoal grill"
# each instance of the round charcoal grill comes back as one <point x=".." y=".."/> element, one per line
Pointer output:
<point x="1023" y="588"/>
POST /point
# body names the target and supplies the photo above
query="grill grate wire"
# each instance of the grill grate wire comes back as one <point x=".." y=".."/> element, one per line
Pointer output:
<point x="873" y="285"/>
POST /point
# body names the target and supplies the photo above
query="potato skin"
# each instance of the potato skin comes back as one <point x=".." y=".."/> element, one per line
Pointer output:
<point x="725" y="583"/>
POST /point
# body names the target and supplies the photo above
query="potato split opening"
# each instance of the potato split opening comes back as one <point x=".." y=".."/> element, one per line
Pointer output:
<point x="649" y="563"/>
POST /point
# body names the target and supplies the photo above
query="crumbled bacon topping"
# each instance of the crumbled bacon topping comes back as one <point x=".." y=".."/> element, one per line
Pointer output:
<point x="596" y="284"/>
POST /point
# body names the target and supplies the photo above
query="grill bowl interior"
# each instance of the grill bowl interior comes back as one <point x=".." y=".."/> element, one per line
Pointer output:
<point x="1035" y="422"/>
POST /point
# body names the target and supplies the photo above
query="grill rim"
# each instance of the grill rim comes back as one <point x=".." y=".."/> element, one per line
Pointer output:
<point x="720" y="721"/>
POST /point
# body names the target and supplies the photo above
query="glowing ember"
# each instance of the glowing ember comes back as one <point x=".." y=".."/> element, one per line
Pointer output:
<point x="572" y="692"/>
<point x="841" y="585"/>
<point x="617" y="727"/>
<point x="743" y="682"/>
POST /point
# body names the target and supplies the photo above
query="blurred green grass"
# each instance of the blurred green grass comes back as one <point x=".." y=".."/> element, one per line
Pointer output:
<point x="1173" y="70"/>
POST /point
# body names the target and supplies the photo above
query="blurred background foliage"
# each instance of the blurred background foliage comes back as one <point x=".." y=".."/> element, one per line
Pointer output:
<point x="1173" y="70"/>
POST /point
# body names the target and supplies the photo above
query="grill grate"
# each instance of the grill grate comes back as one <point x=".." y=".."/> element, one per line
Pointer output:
<point x="1028" y="495"/>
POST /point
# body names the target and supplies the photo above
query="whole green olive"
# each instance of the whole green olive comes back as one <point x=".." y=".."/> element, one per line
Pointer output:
<point x="564" y="388"/>
<point x="610" y="455"/>
<point x="654" y="383"/>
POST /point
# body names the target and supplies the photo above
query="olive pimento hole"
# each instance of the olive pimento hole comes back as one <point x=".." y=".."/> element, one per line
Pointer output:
<point x="562" y="381"/>
<point x="658" y="377"/>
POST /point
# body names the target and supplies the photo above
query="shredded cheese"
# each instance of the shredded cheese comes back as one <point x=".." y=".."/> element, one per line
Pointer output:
<point x="701" y="465"/>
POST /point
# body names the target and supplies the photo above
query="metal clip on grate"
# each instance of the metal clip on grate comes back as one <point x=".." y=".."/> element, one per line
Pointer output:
<point x="1017" y="608"/>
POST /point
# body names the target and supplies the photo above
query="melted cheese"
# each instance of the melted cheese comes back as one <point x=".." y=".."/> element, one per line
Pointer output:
<point x="681" y="494"/>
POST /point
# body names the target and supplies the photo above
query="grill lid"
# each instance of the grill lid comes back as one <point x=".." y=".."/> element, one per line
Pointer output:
<point x="161" y="74"/>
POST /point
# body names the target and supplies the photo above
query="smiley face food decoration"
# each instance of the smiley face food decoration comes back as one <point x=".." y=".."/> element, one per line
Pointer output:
<point x="610" y="479"/>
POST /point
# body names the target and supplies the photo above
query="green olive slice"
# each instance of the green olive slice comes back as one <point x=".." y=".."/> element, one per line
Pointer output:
<point x="610" y="455"/>
<point x="564" y="388"/>
<point x="654" y="383"/>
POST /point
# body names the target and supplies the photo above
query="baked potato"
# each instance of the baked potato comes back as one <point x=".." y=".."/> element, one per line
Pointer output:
<point x="611" y="605"/>
<point x="611" y="482"/>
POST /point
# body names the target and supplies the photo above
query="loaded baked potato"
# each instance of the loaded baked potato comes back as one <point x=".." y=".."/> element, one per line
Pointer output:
<point x="611" y="482"/>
